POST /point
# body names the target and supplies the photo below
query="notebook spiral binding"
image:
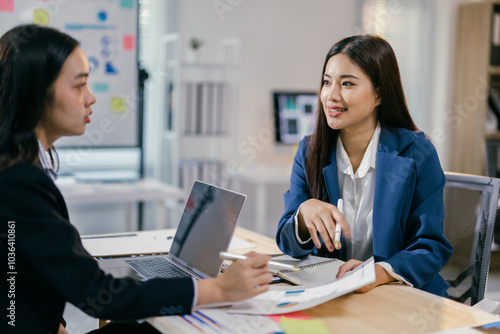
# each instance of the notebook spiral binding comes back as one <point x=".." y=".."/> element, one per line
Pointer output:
<point x="309" y="266"/>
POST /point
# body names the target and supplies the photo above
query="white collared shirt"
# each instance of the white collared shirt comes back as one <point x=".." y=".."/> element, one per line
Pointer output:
<point x="357" y="191"/>
<point x="45" y="162"/>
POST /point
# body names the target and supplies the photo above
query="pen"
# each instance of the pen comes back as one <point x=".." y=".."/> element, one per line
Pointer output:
<point x="340" y="206"/>
<point x="229" y="256"/>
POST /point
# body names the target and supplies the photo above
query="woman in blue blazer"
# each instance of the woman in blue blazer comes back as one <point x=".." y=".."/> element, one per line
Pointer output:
<point x="367" y="151"/>
<point x="44" y="96"/>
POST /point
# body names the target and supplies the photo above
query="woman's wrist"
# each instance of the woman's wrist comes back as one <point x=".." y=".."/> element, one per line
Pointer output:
<point x="382" y="276"/>
<point x="210" y="291"/>
<point x="302" y="230"/>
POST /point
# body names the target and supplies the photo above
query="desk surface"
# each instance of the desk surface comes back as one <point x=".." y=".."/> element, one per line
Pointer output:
<point x="390" y="308"/>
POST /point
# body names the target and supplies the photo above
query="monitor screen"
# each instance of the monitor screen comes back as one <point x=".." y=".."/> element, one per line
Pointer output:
<point x="293" y="115"/>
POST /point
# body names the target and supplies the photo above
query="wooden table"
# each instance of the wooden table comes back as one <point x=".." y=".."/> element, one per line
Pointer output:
<point x="393" y="308"/>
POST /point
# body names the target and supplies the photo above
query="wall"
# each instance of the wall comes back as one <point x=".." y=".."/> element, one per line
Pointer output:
<point x="284" y="44"/>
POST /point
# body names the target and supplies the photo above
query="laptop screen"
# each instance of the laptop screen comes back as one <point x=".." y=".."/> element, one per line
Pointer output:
<point x="206" y="227"/>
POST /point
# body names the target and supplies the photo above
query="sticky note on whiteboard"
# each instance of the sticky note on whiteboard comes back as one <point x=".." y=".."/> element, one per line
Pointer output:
<point x="127" y="4"/>
<point x="128" y="42"/>
<point x="41" y="16"/>
<point x="117" y="105"/>
<point x="100" y="87"/>
<point x="6" y="6"/>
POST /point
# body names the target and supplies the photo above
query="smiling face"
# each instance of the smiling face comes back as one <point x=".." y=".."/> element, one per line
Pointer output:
<point x="70" y="109"/>
<point x="348" y="97"/>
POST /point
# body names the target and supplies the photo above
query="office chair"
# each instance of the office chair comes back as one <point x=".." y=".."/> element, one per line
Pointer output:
<point x="470" y="206"/>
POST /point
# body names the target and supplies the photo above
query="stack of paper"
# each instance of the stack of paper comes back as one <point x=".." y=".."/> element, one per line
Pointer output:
<point x="284" y="299"/>
<point x="215" y="321"/>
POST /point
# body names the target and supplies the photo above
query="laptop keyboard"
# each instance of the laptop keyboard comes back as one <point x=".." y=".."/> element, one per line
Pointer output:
<point x="156" y="267"/>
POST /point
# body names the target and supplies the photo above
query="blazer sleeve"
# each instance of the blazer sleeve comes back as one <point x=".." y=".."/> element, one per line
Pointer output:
<point x="426" y="250"/>
<point x="294" y="197"/>
<point x="48" y="247"/>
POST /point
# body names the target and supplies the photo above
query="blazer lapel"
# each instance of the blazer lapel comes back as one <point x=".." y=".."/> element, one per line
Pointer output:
<point x="332" y="188"/>
<point x="394" y="179"/>
<point x="394" y="182"/>
<point x="332" y="181"/>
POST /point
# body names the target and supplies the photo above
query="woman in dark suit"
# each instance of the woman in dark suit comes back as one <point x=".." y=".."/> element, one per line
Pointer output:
<point x="367" y="151"/>
<point x="44" y="96"/>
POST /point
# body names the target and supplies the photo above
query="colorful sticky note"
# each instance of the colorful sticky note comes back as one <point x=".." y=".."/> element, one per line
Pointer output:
<point x="110" y="68"/>
<point x="127" y="4"/>
<point x="292" y="326"/>
<point x="6" y="5"/>
<point x="128" y="42"/>
<point x="41" y="16"/>
<point x="101" y="87"/>
<point x="117" y="105"/>
<point x="297" y="315"/>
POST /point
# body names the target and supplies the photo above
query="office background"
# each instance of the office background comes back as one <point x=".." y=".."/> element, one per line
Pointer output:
<point x="283" y="44"/>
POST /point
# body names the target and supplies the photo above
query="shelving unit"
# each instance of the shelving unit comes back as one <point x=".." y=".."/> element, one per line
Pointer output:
<point x="472" y="82"/>
<point x="200" y="103"/>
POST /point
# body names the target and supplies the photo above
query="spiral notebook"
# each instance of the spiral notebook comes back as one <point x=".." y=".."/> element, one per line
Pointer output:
<point x="314" y="270"/>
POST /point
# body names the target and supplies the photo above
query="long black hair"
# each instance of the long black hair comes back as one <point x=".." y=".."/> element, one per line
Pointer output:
<point x="376" y="58"/>
<point x="31" y="58"/>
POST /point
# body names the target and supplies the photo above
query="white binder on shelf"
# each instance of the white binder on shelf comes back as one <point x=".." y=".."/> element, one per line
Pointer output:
<point x="182" y="109"/>
<point x="210" y="122"/>
<point x="199" y="107"/>
<point x="190" y="103"/>
<point x="204" y="108"/>
<point x="219" y="108"/>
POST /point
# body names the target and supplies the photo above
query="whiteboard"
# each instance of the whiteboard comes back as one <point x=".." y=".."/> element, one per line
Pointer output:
<point x="107" y="32"/>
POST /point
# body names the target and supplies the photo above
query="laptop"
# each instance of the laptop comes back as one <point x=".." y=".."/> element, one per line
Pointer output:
<point x="206" y="228"/>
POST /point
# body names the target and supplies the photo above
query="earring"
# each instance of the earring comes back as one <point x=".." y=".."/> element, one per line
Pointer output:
<point x="378" y="102"/>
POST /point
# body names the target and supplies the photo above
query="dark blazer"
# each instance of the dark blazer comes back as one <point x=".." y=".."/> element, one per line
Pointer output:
<point x="53" y="267"/>
<point x="408" y="208"/>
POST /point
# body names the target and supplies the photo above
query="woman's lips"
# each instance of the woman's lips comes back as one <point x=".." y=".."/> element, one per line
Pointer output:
<point x="335" y="112"/>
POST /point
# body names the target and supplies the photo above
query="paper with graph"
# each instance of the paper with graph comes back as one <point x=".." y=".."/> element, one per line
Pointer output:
<point x="285" y="299"/>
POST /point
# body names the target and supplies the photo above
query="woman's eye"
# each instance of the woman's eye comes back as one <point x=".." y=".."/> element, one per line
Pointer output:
<point x="326" y="82"/>
<point x="346" y="83"/>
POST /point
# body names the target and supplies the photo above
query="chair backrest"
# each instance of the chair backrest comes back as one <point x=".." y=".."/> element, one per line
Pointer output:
<point x="470" y="206"/>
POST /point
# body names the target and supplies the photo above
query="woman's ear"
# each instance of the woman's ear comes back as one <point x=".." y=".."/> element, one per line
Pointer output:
<point x="378" y="101"/>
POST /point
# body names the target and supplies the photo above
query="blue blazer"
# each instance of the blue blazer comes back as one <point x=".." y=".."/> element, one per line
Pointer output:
<point x="408" y="208"/>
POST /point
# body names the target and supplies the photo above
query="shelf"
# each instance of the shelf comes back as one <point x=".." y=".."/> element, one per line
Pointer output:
<point x="175" y="135"/>
<point x="494" y="70"/>
<point x="200" y="113"/>
<point x="196" y="65"/>
<point x="493" y="136"/>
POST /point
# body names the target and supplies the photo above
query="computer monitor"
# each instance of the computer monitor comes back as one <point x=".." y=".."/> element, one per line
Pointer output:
<point x="293" y="115"/>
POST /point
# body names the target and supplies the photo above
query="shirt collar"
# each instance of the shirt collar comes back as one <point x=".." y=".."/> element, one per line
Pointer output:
<point x="369" y="158"/>
<point x="45" y="162"/>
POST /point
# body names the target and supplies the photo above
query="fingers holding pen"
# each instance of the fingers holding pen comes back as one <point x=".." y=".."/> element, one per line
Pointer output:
<point x="340" y="224"/>
<point x="319" y="219"/>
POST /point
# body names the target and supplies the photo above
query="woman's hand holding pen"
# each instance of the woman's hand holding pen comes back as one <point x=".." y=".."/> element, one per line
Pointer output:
<point x="241" y="280"/>
<point x="317" y="217"/>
